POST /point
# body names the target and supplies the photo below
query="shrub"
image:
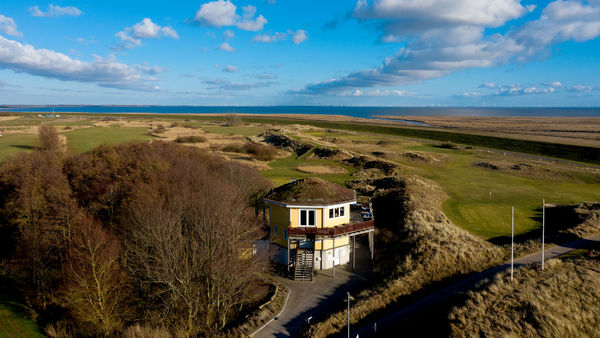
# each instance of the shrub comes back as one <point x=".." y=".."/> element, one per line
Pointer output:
<point x="190" y="139"/>
<point x="258" y="151"/>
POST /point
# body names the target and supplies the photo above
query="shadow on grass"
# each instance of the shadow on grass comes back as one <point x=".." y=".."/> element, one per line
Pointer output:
<point x="558" y="220"/>
<point x="22" y="146"/>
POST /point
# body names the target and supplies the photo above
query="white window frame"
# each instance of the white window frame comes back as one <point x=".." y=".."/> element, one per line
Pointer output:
<point x="300" y="218"/>
<point x="338" y="207"/>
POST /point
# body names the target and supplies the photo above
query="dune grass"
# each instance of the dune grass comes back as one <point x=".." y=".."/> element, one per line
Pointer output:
<point x="81" y="140"/>
<point x="560" y="301"/>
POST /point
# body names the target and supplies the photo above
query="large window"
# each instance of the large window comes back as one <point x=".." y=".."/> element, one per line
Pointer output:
<point x="337" y="212"/>
<point x="308" y="218"/>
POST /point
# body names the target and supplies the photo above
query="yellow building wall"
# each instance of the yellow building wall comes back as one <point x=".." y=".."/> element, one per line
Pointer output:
<point x="280" y="217"/>
<point x="328" y="243"/>
<point x="295" y="213"/>
<point x="332" y="222"/>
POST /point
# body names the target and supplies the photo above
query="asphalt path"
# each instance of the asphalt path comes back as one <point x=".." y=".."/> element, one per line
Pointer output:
<point x="420" y="306"/>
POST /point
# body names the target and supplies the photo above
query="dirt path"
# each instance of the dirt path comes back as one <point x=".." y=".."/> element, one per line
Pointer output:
<point x="412" y="310"/>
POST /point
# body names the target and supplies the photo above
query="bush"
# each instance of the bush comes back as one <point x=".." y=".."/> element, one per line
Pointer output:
<point x="190" y="139"/>
<point x="258" y="151"/>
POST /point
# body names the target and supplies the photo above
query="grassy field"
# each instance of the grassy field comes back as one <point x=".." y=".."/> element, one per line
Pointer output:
<point x="89" y="138"/>
<point x="282" y="170"/>
<point x="13" y="143"/>
<point x="471" y="206"/>
<point x="13" y="324"/>
<point x="569" y="152"/>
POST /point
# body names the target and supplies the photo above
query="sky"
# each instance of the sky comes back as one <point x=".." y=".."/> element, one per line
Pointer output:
<point x="281" y="52"/>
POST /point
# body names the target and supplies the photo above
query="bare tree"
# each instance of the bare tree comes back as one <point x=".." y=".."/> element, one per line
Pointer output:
<point x="189" y="237"/>
<point x="96" y="287"/>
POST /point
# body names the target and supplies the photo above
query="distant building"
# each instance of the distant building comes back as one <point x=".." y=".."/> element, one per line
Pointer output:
<point x="311" y="227"/>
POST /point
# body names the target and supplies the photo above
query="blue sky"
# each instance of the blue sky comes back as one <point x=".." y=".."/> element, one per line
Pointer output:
<point x="283" y="52"/>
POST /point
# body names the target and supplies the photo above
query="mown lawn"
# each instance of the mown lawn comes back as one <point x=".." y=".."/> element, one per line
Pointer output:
<point x="470" y="205"/>
<point x="86" y="139"/>
<point x="13" y="143"/>
<point x="286" y="168"/>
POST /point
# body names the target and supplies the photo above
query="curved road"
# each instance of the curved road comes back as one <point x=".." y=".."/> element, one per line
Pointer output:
<point x="412" y="310"/>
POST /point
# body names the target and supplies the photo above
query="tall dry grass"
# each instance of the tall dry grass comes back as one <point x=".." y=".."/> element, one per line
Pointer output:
<point x="561" y="301"/>
<point x="416" y="245"/>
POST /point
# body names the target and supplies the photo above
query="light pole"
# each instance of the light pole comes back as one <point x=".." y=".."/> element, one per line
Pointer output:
<point x="512" y="244"/>
<point x="348" y="293"/>
<point x="543" y="229"/>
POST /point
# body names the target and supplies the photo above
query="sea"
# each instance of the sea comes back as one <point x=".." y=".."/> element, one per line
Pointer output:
<point x="364" y="112"/>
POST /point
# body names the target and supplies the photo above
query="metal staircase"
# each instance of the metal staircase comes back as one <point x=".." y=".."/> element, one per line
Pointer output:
<point x="303" y="267"/>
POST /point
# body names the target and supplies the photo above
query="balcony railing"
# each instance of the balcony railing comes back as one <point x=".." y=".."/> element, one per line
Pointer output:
<point x="334" y="231"/>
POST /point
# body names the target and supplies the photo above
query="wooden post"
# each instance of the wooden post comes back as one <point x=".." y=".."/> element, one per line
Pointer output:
<point x="372" y="243"/>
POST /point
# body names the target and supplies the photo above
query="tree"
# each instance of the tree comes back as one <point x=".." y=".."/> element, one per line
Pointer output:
<point x="96" y="290"/>
<point x="188" y="233"/>
<point x="49" y="139"/>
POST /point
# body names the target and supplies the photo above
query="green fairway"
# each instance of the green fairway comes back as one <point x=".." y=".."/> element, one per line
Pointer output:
<point x="13" y="143"/>
<point x="471" y="206"/>
<point x="286" y="168"/>
<point x="86" y="139"/>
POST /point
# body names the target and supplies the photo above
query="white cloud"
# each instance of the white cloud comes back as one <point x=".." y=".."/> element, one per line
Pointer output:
<point x="299" y="37"/>
<point x="445" y="36"/>
<point x="516" y="89"/>
<point x="55" y="11"/>
<point x="227" y="85"/>
<point x="131" y="37"/>
<point x="106" y="72"/>
<point x="376" y="92"/>
<point x="223" y="13"/>
<point x="230" y="69"/>
<point x="228" y="34"/>
<point x="8" y="26"/>
<point x="266" y="38"/>
<point x="226" y="47"/>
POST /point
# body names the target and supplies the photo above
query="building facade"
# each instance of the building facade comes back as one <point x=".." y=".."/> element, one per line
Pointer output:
<point x="311" y="225"/>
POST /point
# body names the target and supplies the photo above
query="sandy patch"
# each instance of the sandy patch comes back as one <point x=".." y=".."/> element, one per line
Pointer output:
<point x="8" y="118"/>
<point x="321" y="169"/>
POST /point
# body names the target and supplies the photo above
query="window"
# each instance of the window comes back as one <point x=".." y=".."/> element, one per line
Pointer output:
<point x="308" y="218"/>
<point x="275" y="234"/>
<point x="337" y="212"/>
<point x="285" y="234"/>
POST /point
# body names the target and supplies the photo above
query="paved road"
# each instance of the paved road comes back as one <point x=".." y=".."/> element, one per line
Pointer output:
<point x="323" y="295"/>
<point x="418" y="307"/>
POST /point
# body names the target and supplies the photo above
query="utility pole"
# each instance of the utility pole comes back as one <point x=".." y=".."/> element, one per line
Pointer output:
<point x="543" y="228"/>
<point x="348" y="293"/>
<point x="512" y="244"/>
